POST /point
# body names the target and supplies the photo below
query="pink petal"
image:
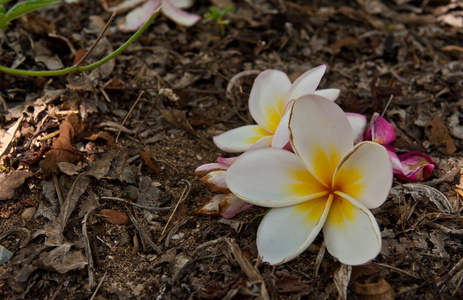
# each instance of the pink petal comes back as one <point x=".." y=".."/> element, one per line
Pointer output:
<point x="122" y="6"/>
<point x="207" y="168"/>
<point x="177" y="15"/>
<point x="416" y="166"/>
<point x="232" y="205"/>
<point x="380" y="131"/>
<point x="137" y="17"/>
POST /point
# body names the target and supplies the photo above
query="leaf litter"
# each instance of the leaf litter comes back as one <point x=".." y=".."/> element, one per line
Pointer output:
<point x="200" y="85"/>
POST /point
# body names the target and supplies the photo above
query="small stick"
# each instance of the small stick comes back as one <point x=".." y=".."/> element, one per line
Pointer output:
<point x="99" y="285"/>
<point x="182" y="197"/>
<point x="97" y="40"/>
<point x="128" y="114"/>
<point x="142" y="232"/>
<point x="58" y="190"/>
<point x="387" y="105"/>
<point x="148" y="208"/>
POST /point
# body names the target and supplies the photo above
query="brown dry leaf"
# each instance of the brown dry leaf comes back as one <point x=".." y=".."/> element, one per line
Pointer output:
<point x="439" y="135"/>
<point x="115" y="217"/>
<point x="62" y="149"/>
<point x="290" y="284"/>
<point x="347" y="42"/>
<point x="9" y="182"/>
<point x="451" y="48"/>
<point x="178" y="118"/>
<point x="33" y="22"/>
<point x="381" y="290"/>
<point x="61" y="260"/>
<point x="102" y="135"/>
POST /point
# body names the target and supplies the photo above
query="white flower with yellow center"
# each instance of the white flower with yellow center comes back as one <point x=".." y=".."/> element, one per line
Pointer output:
<point x="326" y="183"/>
<point x="269" y="103"/>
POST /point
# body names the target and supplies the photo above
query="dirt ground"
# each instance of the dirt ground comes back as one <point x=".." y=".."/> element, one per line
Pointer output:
<point x="122" y="135"/>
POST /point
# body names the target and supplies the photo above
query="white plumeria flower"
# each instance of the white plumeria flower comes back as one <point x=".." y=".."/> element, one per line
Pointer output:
<point x="142" y="10"/>
<point x="269" y="103"/>
<point x="326" y="183"/>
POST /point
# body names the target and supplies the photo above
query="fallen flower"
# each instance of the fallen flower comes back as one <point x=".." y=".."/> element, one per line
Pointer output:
<point x="271" y="98"/>
<point x="326" y="183"/>
<point x="142" y="11"/>
<point x="411" y="167"/>
<point x="225" y="203"/>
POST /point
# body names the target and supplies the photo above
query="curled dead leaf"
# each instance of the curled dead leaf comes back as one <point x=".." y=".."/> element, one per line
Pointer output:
<point x="62" y="150"/>
<point x="439" y="136"/>
<point x="381" y="290"/>
<point x="115" y="217"/>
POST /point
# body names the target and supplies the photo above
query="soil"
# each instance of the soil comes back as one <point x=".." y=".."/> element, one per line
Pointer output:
<point x="129" y="138"/>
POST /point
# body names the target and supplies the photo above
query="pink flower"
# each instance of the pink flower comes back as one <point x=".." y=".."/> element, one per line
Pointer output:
<point x="412" y="166"/>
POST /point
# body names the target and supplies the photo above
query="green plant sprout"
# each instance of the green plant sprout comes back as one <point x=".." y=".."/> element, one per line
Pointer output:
<point x="20" y="9"/>
<point x="217" y="15"/>
<point x="77" y="67"/>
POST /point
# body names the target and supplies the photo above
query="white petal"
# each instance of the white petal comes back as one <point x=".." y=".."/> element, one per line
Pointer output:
<point x="239" y="139"/>
<point x="264" y="142"/>
<point x="137" y="17"/>
<point x="204" y="169"/>
<point x="281" y="136"/>
<point x="272" y="177"/>
<point x="365" y="174"/>
<point x="215" y="181"/>
<point x="331" y="94"/>
<point x="181" y="3"/>
<point x="266" y="98"/>
<point x="320" y="134"/>
<point x="179" y="16"/>
<point x="305" y="84"/>
<point x="286" y="232"/>
<point x="358" y="123"/>
<point x="122" y="6"/>
<point x="351" y="233"/>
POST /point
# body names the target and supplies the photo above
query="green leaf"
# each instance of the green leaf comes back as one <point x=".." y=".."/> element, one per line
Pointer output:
<point x="4" y="1"/>
<point x="3" y="22"/>
<point x="226" y="10"/>
<point x="23" y="8"/>
<point x="214" y="11"/>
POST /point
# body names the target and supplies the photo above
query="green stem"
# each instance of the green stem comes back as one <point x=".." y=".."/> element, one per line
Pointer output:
<point x="83" y="68"/>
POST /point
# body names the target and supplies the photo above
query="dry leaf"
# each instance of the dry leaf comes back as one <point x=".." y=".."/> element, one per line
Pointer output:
<point x="9" y="182"/>
<point x="62" y="150"/>
<point x="291" y="284"/>
<point x="115" y="217"/>
<point x="439" y="135"/>
<point x="373" y="291"/>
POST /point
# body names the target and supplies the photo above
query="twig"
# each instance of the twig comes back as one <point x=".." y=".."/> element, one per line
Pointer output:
<point x="182" y="197"/>
<point x="88" y="249"/>
<point x="398" y="270"/>
<point x="99" y="285"/>
<point x="58" y="190"/>
<point x="174" y="230"/>
<point x="148" y="208"/>
<point x="387" y="105"/>
<point x="319" y="259"/>
<point x="209" y="243"/>
<point x="97" y="40"/>
<point x="128" y="114"/>
<point x="142" y="232"/>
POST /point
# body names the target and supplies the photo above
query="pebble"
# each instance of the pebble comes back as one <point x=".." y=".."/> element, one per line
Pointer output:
<point x="177" y="236"/>
<point x="28" y="213"/>
<point x="5" y="255"/>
